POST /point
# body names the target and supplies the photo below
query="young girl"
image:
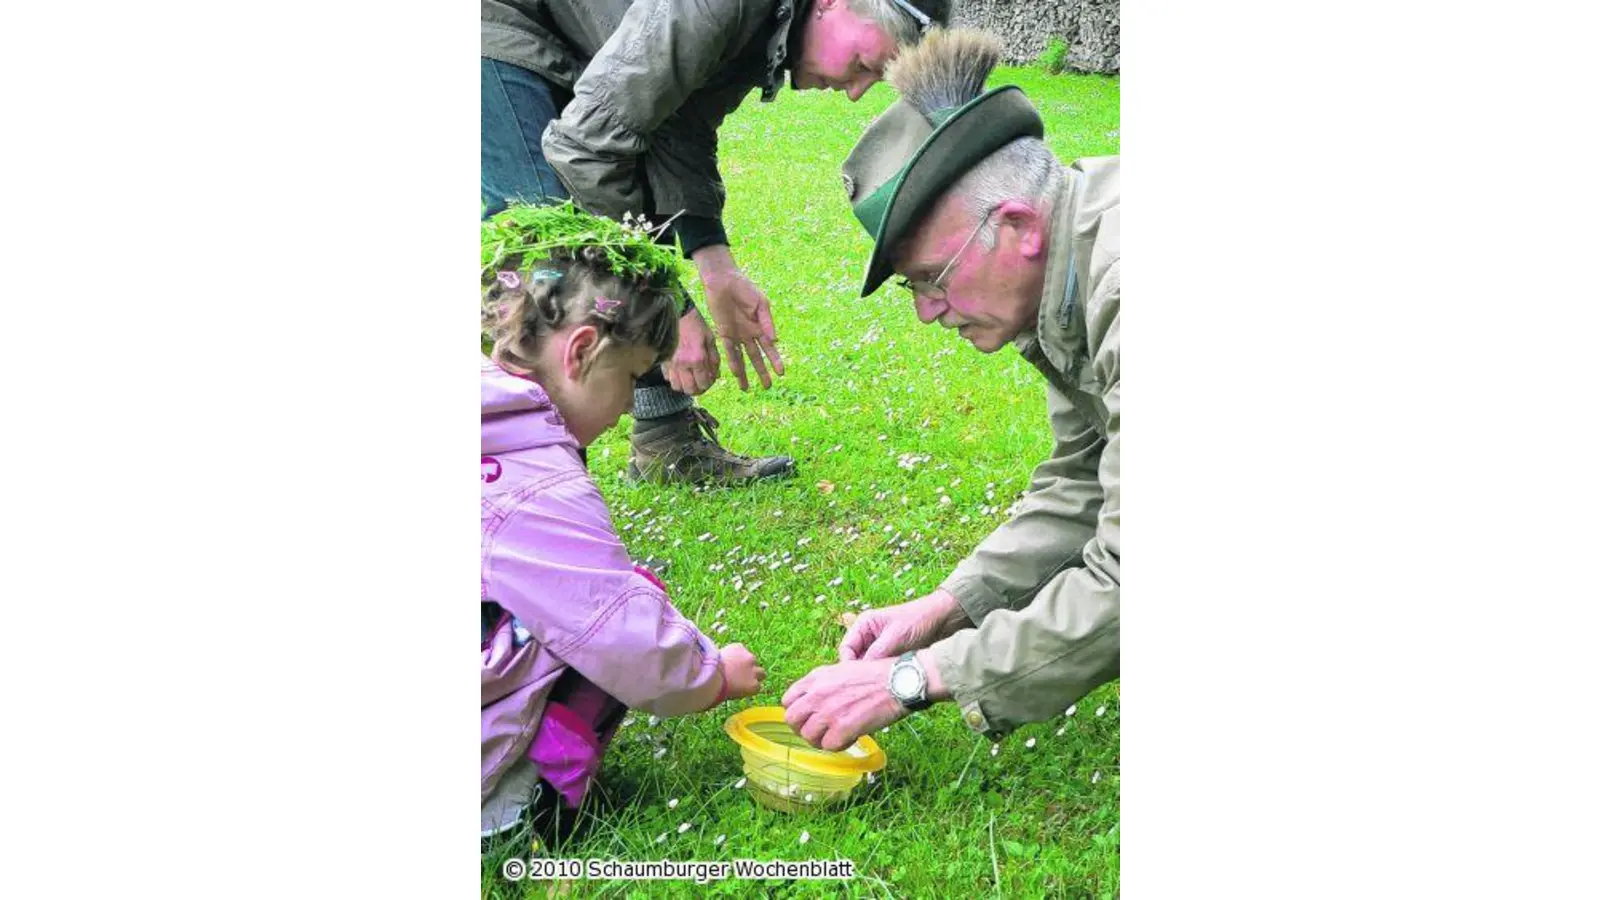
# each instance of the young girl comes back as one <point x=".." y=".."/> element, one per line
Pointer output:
<point x="573" y="633"/>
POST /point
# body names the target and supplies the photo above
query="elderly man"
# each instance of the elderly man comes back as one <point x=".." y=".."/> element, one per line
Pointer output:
<point x="616" y="103"/>
<point x="995" y="238"/>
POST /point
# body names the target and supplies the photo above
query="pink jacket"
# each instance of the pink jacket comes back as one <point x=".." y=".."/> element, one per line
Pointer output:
<point x="552" y="561"/>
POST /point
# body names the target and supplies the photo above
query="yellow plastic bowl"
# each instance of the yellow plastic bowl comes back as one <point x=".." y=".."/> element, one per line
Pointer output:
<point x="785" y="773"/>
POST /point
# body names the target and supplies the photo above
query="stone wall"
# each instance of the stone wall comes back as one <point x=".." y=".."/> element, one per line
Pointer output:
<point x="1091" y="29"/>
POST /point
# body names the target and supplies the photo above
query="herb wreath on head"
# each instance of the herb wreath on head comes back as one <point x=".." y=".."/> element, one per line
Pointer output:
<point x="523" y="235"/>
<point x="525" y="243"/>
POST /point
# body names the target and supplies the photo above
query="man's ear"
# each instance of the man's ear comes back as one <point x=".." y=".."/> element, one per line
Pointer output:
<point x="581" y="344"/>
<point x="1029" y="225"/>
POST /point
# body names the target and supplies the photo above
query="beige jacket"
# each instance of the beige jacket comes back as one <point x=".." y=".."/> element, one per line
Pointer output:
<point x="1044" y="588"/>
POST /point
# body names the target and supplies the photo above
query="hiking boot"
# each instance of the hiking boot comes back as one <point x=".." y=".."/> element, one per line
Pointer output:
<point x="682" y="448"/>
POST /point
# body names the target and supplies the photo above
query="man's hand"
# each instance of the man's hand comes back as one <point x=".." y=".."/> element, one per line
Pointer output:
<point x="741" y="314"/>
<point x="834" y="705"/>
<point x="694" y="366"/>
<point x="912" y="625"/>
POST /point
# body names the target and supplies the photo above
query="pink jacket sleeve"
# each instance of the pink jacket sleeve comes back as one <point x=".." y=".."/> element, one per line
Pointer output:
<point x="557" y="565"/>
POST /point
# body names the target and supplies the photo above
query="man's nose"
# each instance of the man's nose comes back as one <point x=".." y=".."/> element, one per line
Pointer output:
<point x="928" y="310"/>
<point x="859" y="89"/>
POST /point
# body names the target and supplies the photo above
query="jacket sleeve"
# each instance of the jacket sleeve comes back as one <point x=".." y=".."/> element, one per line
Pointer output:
<point x="557" y="565"/>
<point x="1045" y="588"/>
<point x="1054" y="520"/>
<point x="1026" y="665"/>
<point x="627" y="121"/>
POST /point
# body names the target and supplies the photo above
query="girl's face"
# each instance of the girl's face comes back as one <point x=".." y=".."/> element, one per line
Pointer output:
<point x="591" y="399"/>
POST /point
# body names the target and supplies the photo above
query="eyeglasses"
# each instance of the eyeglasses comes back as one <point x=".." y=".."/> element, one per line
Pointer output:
<point x="923" y="22"/>
<point x="934" y="290"/>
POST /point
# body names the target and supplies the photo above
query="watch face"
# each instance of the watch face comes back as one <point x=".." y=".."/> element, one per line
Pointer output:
<point x="905" y="682"/>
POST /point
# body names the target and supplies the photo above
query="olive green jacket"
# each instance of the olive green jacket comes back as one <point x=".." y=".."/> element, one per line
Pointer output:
<point x="1043" y="589"/>
<point x="652" y="81"/>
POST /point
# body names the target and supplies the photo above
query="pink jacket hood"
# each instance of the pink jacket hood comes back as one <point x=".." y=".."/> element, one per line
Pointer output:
<point x="518" y="415"/>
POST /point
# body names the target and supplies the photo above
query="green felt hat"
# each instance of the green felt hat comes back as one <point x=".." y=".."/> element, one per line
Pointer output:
<point x="905" y="161"/>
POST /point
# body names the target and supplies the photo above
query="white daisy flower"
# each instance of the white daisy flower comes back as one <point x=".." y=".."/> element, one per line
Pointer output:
<point x="653" y="721"/>
<point x="684" y="827"/>
<point x="661" y="837"/>
<point x="1072" y="709"/>
<point x="661" y="752"/>
<point x="1030" y="743"/>
<point x="805" y="836"/>
<point x="673" y="803"/>
<point x="994" y="749"/>
<point x="1101" y="711"/>
<point x="740" y="783"/>
<point x="1095" y="778"/>
<point x="720" y="839"/>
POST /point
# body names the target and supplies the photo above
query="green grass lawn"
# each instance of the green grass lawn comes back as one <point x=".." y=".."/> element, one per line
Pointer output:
<point x="911" y="445"/>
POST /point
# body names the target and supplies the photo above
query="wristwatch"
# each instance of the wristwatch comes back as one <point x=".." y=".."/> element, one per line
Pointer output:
<point x="909" y="683"/>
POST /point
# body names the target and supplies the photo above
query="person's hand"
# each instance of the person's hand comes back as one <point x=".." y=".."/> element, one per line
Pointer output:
<point x="912" y="625"/>
<point x="694" y="366"/>
<point x="833" y="705"/>
<point x="741" y="671"/>
<point x="741" y="314"/>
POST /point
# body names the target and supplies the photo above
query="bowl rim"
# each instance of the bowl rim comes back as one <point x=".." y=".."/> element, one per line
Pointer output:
<point x="826" y="762"/>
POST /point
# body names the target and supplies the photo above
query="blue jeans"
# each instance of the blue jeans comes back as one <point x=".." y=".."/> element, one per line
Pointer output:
<point x="515" y="107"/>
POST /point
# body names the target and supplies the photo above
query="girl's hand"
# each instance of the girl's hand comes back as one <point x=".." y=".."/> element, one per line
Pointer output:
<point x="742" y="673"/>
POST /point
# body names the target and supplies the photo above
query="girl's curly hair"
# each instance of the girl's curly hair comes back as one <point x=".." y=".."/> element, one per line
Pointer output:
<point x="568" y="278"/>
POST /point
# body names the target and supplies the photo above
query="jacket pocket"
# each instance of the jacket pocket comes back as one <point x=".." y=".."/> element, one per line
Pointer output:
<point x="566" y="751"/>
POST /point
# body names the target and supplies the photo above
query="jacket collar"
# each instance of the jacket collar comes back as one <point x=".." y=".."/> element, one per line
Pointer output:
<point x="783" y="47"/>
<point x="1060" y="307"/>
<point x="517" y="414"/>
